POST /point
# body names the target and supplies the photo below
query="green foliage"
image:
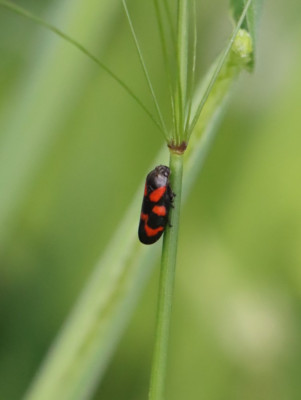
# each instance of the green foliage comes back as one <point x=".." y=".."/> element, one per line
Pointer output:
<point x="69" y="167"/>
<point x="250" y="24"/>
<point x="76" y="360"/>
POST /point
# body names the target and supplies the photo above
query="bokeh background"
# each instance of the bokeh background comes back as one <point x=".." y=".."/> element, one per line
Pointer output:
<point x="73" y="149"/>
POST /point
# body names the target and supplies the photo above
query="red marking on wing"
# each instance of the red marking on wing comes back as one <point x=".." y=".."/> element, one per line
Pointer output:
<point x="145" y="190"/>
<point x="159" y="210"/>
<point x="152" y="232"/>
<point x="156" y="195"/>
<point x="144" y="217"/>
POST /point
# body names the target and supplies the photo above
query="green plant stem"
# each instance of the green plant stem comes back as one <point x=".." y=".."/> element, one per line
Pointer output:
<point x="78" y="358"/>
<point x="168" y="265"/>
<point x="181" y="66"/>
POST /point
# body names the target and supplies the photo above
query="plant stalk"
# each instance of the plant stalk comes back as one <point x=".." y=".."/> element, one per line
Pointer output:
<point x="166" y="286"/>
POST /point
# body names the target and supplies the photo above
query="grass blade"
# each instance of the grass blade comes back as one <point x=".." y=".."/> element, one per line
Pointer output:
<point x="219" y="66"/>
<point x="79" y="357"/>
<point x="29" y="129"/>
<point x="167" y="61"/>
<point x="193" y="66"/>
<point x="24" y="13"/>
<point x="147" y="77"/>
<point x="182" y="61"/>
<point x="170" y="22"/>
<point x="251" y="21"/>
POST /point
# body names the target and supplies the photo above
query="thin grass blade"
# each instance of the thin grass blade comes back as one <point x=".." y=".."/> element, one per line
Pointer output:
<point x="219" y="66"/>
<point x="147" y="77"/>
<point x="79" y="357"/>
<point x="168" y="59"/>
<point x="193" y="67"/>
<point x="21" y="11"/>
<point x="182" y="62"/>
<point x="29" y="130"/>
<point x="251" y="21"/>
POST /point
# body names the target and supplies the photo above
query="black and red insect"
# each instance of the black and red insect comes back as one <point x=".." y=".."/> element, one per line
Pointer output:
<point x="157" y="200"/>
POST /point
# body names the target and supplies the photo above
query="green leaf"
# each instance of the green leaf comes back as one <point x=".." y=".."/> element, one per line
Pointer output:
<point x="250" y="23"/>
<point x="84" y="347"/>
<point x="78" y="358"/>
<point x="235" y="56"/>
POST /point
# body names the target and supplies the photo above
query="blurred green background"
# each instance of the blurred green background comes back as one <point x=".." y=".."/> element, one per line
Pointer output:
<point x="73" y="149"/>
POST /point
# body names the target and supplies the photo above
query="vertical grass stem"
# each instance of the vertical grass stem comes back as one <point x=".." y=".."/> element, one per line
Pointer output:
<point x="168" y="264"/>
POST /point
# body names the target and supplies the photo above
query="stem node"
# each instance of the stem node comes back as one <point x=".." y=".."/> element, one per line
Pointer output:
<point x="177" y="148"/>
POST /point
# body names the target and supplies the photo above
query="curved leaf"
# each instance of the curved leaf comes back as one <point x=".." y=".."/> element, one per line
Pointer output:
<point x="250" y="23"/>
